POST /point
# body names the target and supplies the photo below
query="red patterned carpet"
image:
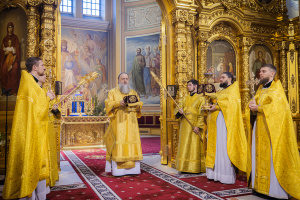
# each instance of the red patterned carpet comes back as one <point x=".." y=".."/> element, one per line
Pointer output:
<point x="150" y="184"/>
<point x="150" y="145"/>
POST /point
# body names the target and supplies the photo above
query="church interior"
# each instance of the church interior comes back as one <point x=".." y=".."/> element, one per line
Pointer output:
<point x="179" y="40"/>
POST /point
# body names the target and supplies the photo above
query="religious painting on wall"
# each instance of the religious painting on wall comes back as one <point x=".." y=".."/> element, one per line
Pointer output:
<point x="293" y="8"/>
<point x="142" y="56"/>
<point x="259" y="55"/>
<point x="13" y="48"/>
<point x="220" y="57"/>
<point x="82" y="52"/>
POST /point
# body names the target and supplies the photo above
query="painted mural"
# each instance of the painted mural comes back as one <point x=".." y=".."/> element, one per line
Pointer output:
<point x="13" y="49"/>
<point x="293" y="8"/>
<point x="259" y="55"/>
<point x="143" y="56"/>
<point x="82" y="52"/>
<point x="220" y="58"/>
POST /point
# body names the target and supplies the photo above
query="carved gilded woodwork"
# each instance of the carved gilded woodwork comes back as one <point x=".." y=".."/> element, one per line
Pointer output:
<point x="4" y="4"/>
<point x="275" y="7"/>
<point x="283" y="65"/>
<point x="33" y="27"/>
<point x="81" y="132"/>
<point x="245" y="93"/>
<point x="179" y="20"/>
<point x="47" y="44"/>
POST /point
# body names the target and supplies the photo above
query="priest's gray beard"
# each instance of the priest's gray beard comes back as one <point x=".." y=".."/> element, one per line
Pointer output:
<point x="124" y="88"/>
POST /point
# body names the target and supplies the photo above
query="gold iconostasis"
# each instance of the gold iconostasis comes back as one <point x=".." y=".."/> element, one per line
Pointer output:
<point x="195" y="37"/>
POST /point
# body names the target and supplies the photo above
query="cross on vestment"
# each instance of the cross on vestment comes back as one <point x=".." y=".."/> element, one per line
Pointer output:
<point x="251" y="82"/>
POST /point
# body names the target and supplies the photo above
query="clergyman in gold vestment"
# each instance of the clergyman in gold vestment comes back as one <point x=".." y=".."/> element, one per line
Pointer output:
<point x="122" y="139"/>
<point x="275" y="156"/>
<point x="226" y="138"/>
<point x="28" y="168"/>
<point x="190" y="155"/>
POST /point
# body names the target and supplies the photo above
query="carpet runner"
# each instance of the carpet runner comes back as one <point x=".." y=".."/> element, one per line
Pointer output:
<point x="150" y="184"/>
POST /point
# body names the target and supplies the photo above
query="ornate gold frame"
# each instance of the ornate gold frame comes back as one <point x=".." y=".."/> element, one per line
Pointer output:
<point x="42" y="35"/>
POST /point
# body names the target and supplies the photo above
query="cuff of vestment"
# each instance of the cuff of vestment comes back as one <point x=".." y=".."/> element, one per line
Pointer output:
<point x="259" y="109"/>
<point x="117" y="105"/>
<point x="218" y="107"/>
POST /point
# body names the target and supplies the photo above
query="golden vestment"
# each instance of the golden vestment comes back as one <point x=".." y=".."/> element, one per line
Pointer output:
<point x="229" y="102"/>
<point x="52" y="147"/>
<point x="124" y="126"/>
<point x="27" y="158"/>
<point x="274" y="129"/>
<point x="190" y="155"/>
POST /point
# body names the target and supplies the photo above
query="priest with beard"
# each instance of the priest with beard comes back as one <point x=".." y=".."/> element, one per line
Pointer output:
<point x="226" y="138"/>
<point x="122" y="139"/>
<point x="190" y="157"/>
<point x="275" y="157"/>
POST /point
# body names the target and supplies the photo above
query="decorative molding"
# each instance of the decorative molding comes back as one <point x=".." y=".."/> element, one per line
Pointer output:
<point x="293" y="106"/>
<point x="88" y="24"/>
<point x="33" y="27"/>
<point x="179" y="16"/>
<point x="292" y="55"/>
<point x="261" y="29"/>
<point x="275" y="7"/>
<point x="143" y="17"/>
<point x="205" y="19"/>
<point x="246" y="43"/>
<point x="223" y="31"/>
<point x="284" y="46"/>
<point x="293" y="80"/>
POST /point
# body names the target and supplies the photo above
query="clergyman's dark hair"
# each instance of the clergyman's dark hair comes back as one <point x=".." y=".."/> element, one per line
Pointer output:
<point x="194" y="82"/>
<point x="32" y="61"/>
<point x="229" y="75"/>
<point x="270" y="66"/>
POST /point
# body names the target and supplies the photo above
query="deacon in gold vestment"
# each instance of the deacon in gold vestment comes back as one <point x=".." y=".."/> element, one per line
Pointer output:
<point x="226" y="138"/>
<point x="190" y="155"/>
<point x="122" y="139"/>
<point x="28" y="168"/>
<point x="275" y="156"/>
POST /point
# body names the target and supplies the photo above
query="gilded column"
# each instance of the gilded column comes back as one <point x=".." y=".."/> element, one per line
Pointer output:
<point x="47" y="45"/>
<point x="283" y="65"/>
<point x="189" y="57"/>
<point x="246" y="41"/>
<point x="179" y="18"/>
<point x="33" y="27"/>
<point x="201" y="60"/>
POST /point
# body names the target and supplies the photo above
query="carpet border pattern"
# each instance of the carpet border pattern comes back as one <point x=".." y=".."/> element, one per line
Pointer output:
<point x="197" y="192"/>
<point x="233" y="192"/>
<point x="68" y="187"/>
<point x="100" y="188"/>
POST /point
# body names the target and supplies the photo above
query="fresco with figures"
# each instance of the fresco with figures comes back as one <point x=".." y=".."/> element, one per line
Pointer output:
<point x="142" y="56"/>
<point x="82" y="52"/>
<point x="258" y="56"/>
<point x="220" y="58"/>
<point x="13" y="48"/>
